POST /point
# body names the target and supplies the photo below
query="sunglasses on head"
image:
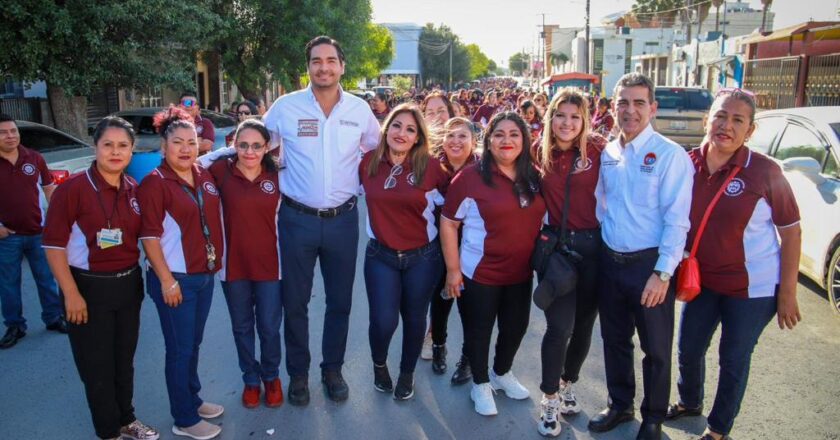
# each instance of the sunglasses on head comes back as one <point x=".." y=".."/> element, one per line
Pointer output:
<point x="733" y="90"/>
<point x="188" y="102"/>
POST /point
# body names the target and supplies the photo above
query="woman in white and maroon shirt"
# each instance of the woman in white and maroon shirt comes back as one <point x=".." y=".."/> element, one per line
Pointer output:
<point x="250" y="191"/>
<point x="499" y="204"/>
<point x="181" y="233"/>
<point x="90" y="240"/>
<point x="569" y="147"/>
<point x="402" y="185"/>
<point x="746" y="274"/>
<point x="485" y="112"/>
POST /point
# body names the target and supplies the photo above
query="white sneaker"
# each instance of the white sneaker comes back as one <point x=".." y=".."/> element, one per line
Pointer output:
<point x="482" y="395"/>
<point x="509" y="384"/>
<point x="570" y="405"/>
<point x="427" y="353"/>
<point x="548" y="425"/>
<point x="209" y="410"/>
<point x="200" y="431"/>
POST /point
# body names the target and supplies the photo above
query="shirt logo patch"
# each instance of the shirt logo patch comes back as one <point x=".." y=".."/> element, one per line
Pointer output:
<point x="411" y="179"/>
<point x="267" y="187"/>
<point x="647" y="163"/>
<point x="28" y="169"/>
<point x="199" y="129"/>
<point x="735" y="187"/>
<point x="583" y="164"/>
<point x="135" y="206"/>
<point x="210" y="188"/>
<point x="307" y="128"/>
<point x="348" y="123"/>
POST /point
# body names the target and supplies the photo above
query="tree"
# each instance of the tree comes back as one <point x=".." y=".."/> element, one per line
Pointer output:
<point x="492" y="67"/>
<point x="81" y="47"/>
<point x="665" y="12"/>
<point x="434" y="55"/>
<point x="479" y="63"/>
<point x="518" y="63"/>
<point x="376" y="54"/>
<point x="401" y="85"/>
<point x="558" y="58"/>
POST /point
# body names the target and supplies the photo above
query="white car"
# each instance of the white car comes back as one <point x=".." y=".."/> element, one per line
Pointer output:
<point x="806" y="143"/>
<point x="65" y="155"/>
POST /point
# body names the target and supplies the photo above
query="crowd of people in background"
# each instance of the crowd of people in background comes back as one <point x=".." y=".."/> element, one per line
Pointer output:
<point x="463" y="189"/>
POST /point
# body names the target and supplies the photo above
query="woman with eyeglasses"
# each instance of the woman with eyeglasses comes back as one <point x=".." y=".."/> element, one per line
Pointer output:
<point x="181" y="232"/>
<point x="402" y="185"/>
<point x="748" y="256"/>
<point x="499" y="204"/>
<point x="250" y="190"/>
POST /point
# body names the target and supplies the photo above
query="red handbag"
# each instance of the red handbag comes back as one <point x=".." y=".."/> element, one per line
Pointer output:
<point x="688" y="274"/>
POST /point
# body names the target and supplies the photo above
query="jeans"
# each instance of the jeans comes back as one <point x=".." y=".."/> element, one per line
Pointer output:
<point x="569" y="319"/>
<point x="12" y="250"/>
<point x="399" y="284"/>
<point x="484" y="304"/>
<point x="183" y="329"/>
<point x="104" y="347"/>
<point x="257" y="303"/>
<point x="305" y="238"/>
<point x="742" y="321"/>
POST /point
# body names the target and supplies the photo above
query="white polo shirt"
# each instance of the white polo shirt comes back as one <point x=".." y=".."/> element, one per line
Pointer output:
<point x="321" y="154"/>
<point x="644" y="197"/>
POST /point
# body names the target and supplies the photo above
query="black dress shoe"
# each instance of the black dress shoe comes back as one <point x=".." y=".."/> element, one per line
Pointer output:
<point x="60" y="325"/>
<point x="675" y="411"/>
<point x="439" y="359"/>
<point x="609" y="419"/>
<point x="463" y="372"/>
<point x="649" y="431"/>
<point x="299" y="391"/>
<point x="337" y="389"/>
<point x="13" y="334"/>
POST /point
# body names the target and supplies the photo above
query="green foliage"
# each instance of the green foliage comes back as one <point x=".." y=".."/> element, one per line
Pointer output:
<point x="434" y="55"/>
<point x="518" y="63"/>
<point x="492" y="67"/>
<point x="80" y="45"/>
<point x="479" y="63"/>
<point x="377" y="53"/>
<point x="665" y="10"/>
<point x="401" y="84"/>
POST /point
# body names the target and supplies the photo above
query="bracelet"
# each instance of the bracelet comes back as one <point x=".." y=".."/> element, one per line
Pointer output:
<point x="171" y="288"/>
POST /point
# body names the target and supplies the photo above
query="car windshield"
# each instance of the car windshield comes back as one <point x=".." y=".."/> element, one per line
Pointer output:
<point x="219" y="120"/>
<point x="683" y="99"/>
<point x="44" y="140"/>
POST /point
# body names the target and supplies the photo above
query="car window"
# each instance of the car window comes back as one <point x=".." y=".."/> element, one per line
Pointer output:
<point x="798" y="141"/>
<point x="219" y="120"/>
<point x="43" y="140"/>
<point x="766" y="130"/>
<point x="672" y="99"/>
<point x="145" y="125"/>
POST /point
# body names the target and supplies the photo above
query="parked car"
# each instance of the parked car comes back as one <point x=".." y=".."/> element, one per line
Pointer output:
<point x="148" y="139"/>
<point x="65" y="155"/>
<point x="681" y="113"/>
<point x="806" y="143"/>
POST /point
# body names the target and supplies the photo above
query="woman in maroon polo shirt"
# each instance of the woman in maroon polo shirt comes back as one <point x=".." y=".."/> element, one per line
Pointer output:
<point x="182" y="235"/>
<point x="250" y="191"/>
<point x="402" y="185"/>
<point x="533" y="117"/>
<point x="437" y="110"/>
<point x="499" y="204"/>
<point x="746" y="274"/>
<point x="571" y="153"/>
<point x="90" y="240"/>
<point x="485" y="112"/>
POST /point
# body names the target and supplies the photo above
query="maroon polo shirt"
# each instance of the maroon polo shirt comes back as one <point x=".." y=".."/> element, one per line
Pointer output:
<point x="739" y="252"/>
<point x="22" y="206"/>
<point x="172" y="216"/>
<point x="402" y="217"/>
<point x="249" y="211"/>
<point x="205" y="129"/>
<point x="582" y="185"/>
<point x="80" y="208"/>
<point x="486" y="111"/>
<point x="498" y="234"/>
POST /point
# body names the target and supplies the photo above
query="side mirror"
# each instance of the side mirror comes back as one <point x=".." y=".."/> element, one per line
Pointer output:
<point x="805" y="165"/>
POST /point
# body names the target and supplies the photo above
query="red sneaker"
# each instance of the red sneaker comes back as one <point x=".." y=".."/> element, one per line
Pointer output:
<point x="251" y="396"/>
<point x="273" y="393"/>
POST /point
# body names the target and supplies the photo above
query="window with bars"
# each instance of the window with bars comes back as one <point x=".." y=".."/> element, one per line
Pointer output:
<point x="628" y="52"/>
<point x="597" y="56"/>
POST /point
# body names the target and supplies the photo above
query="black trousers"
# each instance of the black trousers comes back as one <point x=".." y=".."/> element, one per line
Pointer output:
<point x="484" y="304"/>
<point x="104" y="347"/>
<point x="569" y="319"/>
<point x="439" y="316"/>
<point x="621" y="314"/>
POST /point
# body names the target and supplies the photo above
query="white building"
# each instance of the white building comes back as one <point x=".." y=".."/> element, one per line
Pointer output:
<point x="406" y="59"/>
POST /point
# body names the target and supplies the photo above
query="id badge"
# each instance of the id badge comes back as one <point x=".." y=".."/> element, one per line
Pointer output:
<point x="107" y="238"/>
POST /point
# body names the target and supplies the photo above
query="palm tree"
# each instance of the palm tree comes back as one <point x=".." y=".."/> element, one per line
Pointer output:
<point x="717" y="4"/>
<point x="765" y="6"/>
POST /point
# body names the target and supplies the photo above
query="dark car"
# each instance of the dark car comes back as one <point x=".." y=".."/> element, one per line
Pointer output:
<point x="681" y="113"/>
<point x="148" y="139"/>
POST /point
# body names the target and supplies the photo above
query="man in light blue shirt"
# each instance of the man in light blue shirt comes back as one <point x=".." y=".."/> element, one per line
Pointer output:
<point x="321" y="132"/>
<point x="644" y="199"/>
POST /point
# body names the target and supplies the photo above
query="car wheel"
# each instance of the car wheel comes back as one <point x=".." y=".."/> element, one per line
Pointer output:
<point x="833" y="280"/>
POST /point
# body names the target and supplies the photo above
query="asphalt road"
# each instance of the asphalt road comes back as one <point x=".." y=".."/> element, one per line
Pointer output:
<point x="793" y="392"/>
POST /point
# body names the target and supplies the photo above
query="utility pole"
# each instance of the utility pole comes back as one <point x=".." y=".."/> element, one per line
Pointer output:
<point x="586" y="48"/>
<point x="451" y="44"/>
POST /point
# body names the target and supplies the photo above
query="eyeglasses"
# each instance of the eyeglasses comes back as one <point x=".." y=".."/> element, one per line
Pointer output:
<point x="244" y="146"/>
<point x="188" y="102"/>
<point x="391" y="180"/>
<point x="733" y="90"/>
<point x="245" y="113"/>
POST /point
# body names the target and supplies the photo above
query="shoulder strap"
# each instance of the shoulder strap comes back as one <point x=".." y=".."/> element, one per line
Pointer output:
<point x="566" y="197"/>
<point x="709" y="208"/>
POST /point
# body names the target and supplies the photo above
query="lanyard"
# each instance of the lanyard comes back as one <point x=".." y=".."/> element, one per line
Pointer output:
<point x="102" y="204"/>
<point x="198" y="198"/>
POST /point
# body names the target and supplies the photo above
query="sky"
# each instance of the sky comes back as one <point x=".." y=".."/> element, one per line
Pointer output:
<point x="504" y="27"/>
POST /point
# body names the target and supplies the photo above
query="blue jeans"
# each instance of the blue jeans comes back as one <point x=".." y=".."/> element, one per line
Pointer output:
<point x="12" y="250"/>
<point x="399" y="284"/>
<point x="183" y="329"/>
<point x="260" y="303"/>
<point x="742" y="320"/>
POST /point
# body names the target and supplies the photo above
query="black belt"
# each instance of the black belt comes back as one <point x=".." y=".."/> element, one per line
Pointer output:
<point x="118" y="274"/>
<point x="631" y="257"/>
<point x="349" y="205"/>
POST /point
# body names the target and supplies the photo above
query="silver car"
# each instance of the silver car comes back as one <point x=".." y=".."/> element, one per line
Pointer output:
<point x="681" y="113"/>
<point x="65" y="155"/>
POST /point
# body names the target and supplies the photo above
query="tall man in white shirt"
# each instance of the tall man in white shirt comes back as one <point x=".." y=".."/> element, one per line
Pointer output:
<point x="322" y="132"/>
<point x="644" y="198"/>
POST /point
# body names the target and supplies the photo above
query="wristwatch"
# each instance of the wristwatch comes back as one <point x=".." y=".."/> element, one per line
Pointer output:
<point x="664" y="276"/>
